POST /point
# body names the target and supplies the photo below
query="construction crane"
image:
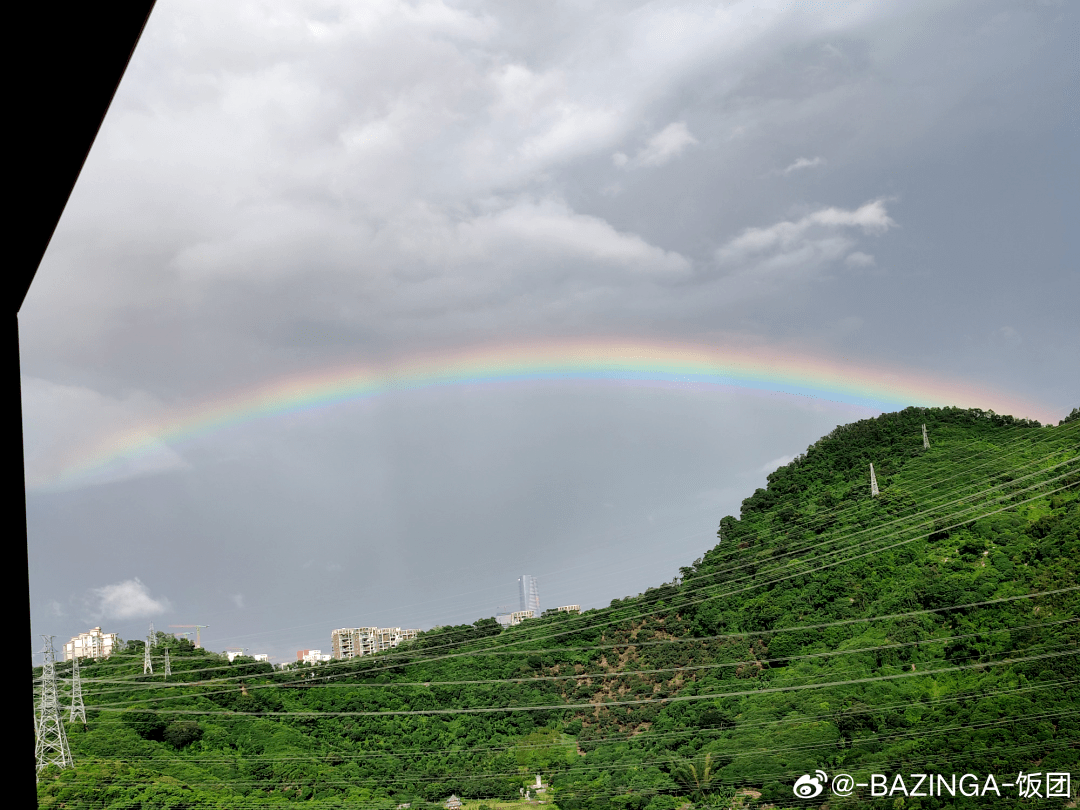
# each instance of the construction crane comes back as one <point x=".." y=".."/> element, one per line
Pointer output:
<point x="198" y="627"/>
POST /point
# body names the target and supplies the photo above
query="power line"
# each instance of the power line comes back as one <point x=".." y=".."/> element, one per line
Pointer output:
<point x="392" y="661"/>
<point x="579" y="677"/>
<point x="1025" y="441"/>
<point x="1019" y="441"/>
<point x="611" y="703"/>
<point x="692" y="639"/>
<point x="980" y="695"/>
<point x="966" y="514"/>
<point x="586" y="767"/>
<point x="387" y="659"/>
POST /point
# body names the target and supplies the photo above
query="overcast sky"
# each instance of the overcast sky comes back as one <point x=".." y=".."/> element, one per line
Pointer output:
<point x="282" y="188"/>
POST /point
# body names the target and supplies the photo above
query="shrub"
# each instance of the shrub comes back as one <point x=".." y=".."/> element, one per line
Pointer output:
<point x="182" y="733"/>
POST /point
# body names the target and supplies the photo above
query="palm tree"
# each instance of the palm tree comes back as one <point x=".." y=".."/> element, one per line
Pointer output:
<point x="696" y="779"/>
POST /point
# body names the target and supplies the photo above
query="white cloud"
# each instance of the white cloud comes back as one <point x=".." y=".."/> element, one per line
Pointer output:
<point x="804" y="163"/>
<point x="514" y="245"/>
<point x="550" y="226"/>
<point x="662" y="147"/>
<point x="129" y="599"/>
<point x="800" y="248"/>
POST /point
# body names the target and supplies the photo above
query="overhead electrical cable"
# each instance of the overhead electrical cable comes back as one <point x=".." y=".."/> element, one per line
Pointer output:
<point x="635" y="702"/>
<point x="732" y="635"/>
<point x="586" y="676"/>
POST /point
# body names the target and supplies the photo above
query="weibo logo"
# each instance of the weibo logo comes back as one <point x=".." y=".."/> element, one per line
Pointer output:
<point x="807" y="786"/>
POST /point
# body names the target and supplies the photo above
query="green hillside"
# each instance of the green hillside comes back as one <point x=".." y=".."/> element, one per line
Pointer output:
<point x="930" y="629"/>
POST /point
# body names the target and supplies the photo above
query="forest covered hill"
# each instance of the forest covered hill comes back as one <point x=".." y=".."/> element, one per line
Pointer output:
<point x="929" y="629"/>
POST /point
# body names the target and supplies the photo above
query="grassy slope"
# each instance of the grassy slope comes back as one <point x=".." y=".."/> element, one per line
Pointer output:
<point x="702" y="666"/>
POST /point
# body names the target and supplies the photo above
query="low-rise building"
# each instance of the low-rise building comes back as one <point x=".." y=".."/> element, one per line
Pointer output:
<point x="569" y="609"/>
<point x="351" y="642"/>
<point x="311" y="656"/>
<point x="91" y="644"/>
<point x="262" y="657"/>
<point x="515" y="618"/>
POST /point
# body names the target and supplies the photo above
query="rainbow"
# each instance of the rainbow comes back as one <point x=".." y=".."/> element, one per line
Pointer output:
<point x="596" y="361"/>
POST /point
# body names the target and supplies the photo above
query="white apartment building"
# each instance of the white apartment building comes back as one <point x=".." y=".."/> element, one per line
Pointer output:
<point x="351" y="642"/>
<point x="92" y="644"/>
<point x="569" y="609"/>
<point x="262" y="657"/>
<point x="515" y="618"/>
<point x="311" y="656"/>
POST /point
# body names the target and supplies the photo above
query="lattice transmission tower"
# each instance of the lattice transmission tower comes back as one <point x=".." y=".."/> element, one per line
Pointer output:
<point x="51" y="747"/>
<point x="873" y="482"/>
<point x="925" y="439"/>
<point x="78" y="709"/>
<point x="37" y="707"/>
<point x="168" y="667"/>
<point x="147" y="664"/>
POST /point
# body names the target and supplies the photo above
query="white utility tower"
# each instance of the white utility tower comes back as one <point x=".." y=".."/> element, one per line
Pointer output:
<point x="925" y="439"/>
<point x="78" y="708"/>
<point x="873" y="482"/>
<point x="147" y="664"/>
<point x="52" y="745"/>
<point x="168" y="668"/>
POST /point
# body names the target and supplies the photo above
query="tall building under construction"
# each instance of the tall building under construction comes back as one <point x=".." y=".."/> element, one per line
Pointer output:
<point x="529" y="594"/>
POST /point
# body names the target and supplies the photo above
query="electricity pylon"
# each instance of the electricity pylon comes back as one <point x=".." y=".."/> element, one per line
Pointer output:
<point x="925" y="440"/>
<point x="873" y="482"/>
<point x="168" y="668"/>
<point x="37" y="709"/>
<point x="147" y="664"/>
<point x="78" y="709"/>
<point x="51" y="746"/>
